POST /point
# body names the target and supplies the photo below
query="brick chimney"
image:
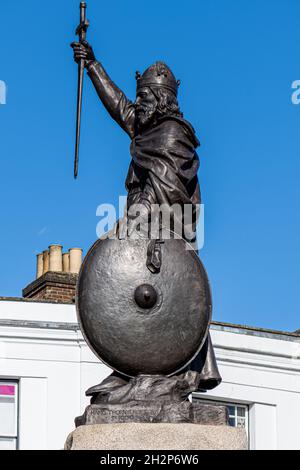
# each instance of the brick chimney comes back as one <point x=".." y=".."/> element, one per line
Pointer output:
<point x="56" y="275"/>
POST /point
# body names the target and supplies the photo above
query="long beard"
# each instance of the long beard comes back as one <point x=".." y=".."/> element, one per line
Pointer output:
<point x="145" y="117"/>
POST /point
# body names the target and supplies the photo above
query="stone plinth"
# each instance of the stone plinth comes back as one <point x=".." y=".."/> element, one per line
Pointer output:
<point x="158" y="436"/>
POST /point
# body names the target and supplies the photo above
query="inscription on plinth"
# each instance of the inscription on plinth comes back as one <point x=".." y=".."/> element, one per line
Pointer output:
<point x="145" y="412"/>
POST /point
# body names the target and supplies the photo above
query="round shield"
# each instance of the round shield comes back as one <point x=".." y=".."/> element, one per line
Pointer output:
<point x="137" y="321"/>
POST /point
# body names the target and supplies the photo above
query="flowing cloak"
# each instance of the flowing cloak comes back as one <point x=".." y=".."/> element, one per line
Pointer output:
<point x="163" y="170"/>
<point x="166" y="155"/>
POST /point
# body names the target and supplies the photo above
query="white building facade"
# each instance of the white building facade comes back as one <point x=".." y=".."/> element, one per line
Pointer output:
<point x="46" y="367"/>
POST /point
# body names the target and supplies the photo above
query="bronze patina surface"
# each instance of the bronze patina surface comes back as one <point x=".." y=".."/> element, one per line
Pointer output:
<point x="144" y="304"/>
<point x="159" y="334"/>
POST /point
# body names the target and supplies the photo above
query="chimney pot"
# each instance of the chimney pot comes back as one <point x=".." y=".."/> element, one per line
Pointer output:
<point x="66" y="262"/>
<point x="55" y="258"/>
<point x="39" y="265"/>
<point x="45" y="261"/>
<point x="75" y="259"/>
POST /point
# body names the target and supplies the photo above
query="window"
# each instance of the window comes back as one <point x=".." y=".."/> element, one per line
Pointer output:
<point x="238" y="416"/>
<point x="8" y="415"/>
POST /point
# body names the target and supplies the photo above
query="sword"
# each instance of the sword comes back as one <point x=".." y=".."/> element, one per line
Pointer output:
<point x="81" y="32"/>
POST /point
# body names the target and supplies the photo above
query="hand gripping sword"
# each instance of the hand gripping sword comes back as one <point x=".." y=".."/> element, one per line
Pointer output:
<point x="81" y="32"/>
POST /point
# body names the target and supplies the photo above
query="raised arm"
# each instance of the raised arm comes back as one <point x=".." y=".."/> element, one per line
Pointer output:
<point x="119" y="107"/>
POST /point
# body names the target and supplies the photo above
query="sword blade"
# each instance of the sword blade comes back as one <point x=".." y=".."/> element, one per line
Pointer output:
<point x="78" y="117"/>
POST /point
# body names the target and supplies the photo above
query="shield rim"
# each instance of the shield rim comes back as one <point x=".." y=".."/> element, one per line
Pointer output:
<point x="193" y="253"/>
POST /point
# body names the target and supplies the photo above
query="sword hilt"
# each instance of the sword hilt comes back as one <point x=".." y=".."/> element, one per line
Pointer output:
<point x="84" y="23"/>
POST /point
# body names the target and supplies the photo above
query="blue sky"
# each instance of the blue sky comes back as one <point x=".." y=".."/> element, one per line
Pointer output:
<point x="236" y="61"/>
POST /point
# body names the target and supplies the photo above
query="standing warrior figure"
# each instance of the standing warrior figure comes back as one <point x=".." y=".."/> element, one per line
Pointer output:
<point x="164" y="164"/>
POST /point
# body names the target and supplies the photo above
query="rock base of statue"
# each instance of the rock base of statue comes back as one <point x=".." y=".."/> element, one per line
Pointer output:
<point x="149" y="399"/>
<point x="159" y="436"/>
<point x="153" y="412"/>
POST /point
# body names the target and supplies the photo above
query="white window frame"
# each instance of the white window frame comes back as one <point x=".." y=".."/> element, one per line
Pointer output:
<point x="15" y="436"/>
<point x="236" y="417"/>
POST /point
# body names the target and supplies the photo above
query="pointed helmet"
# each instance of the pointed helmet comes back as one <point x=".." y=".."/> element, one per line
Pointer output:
<point x="157" y="75"/>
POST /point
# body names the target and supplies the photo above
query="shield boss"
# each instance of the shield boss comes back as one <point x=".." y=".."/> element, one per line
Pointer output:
<point x="139" y="322"/>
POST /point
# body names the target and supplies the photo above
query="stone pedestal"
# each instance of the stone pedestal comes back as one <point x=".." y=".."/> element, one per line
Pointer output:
<point x="158" y="436"/>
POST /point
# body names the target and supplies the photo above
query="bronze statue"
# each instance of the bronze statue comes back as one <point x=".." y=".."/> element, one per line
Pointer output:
<point x="163" y="170"/>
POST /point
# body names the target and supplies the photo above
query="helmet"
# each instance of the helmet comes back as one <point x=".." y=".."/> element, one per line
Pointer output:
<point x="158" y="75"/>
